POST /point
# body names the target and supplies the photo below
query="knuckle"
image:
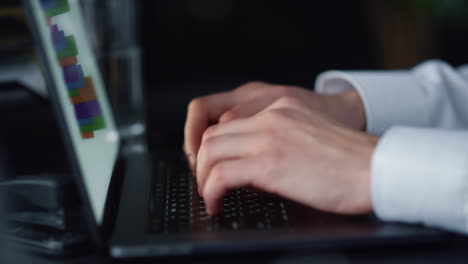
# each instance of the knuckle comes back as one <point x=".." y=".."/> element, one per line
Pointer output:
<point x="288" y="101"/>
<point x="196" y="104"/>
<point x="253" y="84"/>
<point x="206" y="149"/>
<point x="271" y="118"/>
<point x="209" y="133"/>
<point x="280" y="90"/>
<point x="266" y="119"/>
<point x="277" y="115"/>
<point x="227" y="116"/>
<point x="218" y="174"/>
<point x="248" y="87"/>
<point x="277" y="112"/>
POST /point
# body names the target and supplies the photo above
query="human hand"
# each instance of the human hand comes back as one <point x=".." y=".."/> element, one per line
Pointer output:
<point x="291" y="150"/>
<point x="252" y="98"/>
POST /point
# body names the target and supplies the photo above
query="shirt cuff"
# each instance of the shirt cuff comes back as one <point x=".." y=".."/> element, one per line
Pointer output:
<point x="390" y="97"/>
<point x="421" y="176"/>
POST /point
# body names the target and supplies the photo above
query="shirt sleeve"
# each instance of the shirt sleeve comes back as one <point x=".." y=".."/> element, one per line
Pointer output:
<point x="420" y="175"/>
<point x="433" y="94"/>
<point x="420" y="166"/>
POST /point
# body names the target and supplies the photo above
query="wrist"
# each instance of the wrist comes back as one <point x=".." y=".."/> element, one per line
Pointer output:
<point x="352" y="109"/>
<point x="362" y="173"/>
<point x="372" y="142"/>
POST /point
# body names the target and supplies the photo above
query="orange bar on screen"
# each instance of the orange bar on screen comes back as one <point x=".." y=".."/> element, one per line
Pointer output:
<point x="87" y="135"/>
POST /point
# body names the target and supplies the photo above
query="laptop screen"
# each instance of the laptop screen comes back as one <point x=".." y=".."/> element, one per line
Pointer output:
<point x="78" y="85"/>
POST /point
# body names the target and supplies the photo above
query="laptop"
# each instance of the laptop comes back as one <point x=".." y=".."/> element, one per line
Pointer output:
<point x="138" y="203"/>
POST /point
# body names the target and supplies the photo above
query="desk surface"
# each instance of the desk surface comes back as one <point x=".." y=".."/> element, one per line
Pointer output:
<point x="443" y="253"/>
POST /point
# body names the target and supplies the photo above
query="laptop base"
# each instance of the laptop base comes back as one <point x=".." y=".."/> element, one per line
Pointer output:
<point x="134" y="234"/>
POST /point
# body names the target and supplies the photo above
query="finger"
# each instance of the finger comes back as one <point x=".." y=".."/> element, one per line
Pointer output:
<point x="245" y="125"/>
<point x="225" y="147"/>
<point x="208" y="109"/>
<point x="247" y="109"/>
<point x="201" y="113"/>
<point x="228" y="175"/>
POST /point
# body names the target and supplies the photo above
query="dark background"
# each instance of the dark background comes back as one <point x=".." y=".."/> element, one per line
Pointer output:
<point x="194" y="48"/>
<point x="237" y="41"/>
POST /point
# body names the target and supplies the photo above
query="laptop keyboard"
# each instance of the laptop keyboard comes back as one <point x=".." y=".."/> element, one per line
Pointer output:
<point x="176" y="206"/>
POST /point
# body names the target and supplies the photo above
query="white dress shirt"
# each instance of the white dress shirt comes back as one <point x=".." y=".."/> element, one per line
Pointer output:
<point x="420" y="166"/>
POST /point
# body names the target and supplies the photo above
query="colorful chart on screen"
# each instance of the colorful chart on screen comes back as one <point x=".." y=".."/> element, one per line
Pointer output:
<point x="80" y="86"/>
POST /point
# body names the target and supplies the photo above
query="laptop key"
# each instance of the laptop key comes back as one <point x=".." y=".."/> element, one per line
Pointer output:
<point x="176" y="206"/>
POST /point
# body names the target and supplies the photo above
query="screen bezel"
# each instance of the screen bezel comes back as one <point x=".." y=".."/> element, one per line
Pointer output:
<point x="94" y="229"/>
